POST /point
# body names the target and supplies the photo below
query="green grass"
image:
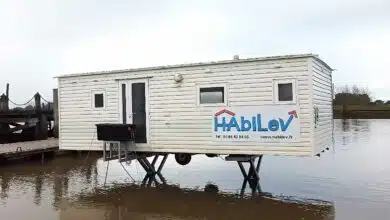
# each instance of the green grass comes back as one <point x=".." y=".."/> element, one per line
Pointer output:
<point x="362" y="111"/>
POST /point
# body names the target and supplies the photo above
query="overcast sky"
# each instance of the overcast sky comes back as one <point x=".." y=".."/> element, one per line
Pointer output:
<point x="41" y="39"/>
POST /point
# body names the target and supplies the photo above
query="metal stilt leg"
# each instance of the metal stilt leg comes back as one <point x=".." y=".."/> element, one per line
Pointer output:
<point x="243" y="187"/>
<point x="253" y="173"/>
<point x="142" y="162"/>
<point x="151" y="171"/>
<point x="242" y="169"/>
<point x="258" y="163"/>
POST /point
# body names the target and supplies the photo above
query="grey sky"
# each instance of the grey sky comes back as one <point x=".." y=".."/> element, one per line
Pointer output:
<point x="41" y="39"/>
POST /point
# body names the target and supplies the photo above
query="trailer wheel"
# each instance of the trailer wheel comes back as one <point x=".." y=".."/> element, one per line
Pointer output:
<point x="183" y="159"/>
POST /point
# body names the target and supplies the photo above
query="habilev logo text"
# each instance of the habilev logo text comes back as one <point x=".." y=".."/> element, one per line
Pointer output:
<point x="255" y="123"/>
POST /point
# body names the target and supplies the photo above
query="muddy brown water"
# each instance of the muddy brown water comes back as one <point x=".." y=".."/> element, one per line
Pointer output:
<point x="350" y="181"/>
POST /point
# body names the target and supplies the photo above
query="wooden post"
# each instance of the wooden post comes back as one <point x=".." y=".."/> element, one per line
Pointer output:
<point x="3" y="103"/>
<point x="7" y="91"/>
<point x="55" y="112"/>
<point x="37" y="98"/>
<point x="4" y="127"/>
<point x="41" y="125"/>
<point x="4" y="107"/>
<point x="7" y="97"/>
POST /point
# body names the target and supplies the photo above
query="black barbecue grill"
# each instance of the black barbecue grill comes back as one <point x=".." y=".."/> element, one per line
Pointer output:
<point x="115" y="132"/>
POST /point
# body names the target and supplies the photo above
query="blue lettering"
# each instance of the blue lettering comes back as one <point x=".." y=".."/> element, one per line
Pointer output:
<point x="254" y="123"/>
<point x="259" y="128"/>
<point x="285" y="126"/>
<point x="233" y="123"/>
<point x="245" y="124"/>
<point x="217" y="125"/>
<point x="273" y="125"/>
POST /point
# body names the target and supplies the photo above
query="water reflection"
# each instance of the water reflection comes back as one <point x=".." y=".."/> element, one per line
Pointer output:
<point x="351" y="129"/>
<point x="354" y="179"/>
<point x="358" y="125"/>
<point x="55" y="173"/>
<point x="131" y="201"/>
<point x="5" y="180"/>
<point x="38" y="189"/>
<point x="73" y="188"/>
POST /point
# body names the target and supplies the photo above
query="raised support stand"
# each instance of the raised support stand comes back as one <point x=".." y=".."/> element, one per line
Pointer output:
<point x="252" y="176"/>
<point x="150" y="169"/>
<point x="116" y="150"/>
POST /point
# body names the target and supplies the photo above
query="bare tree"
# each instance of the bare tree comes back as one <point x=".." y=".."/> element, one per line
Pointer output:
<point x="355" y="90"/>
<point x="352" y="95"/>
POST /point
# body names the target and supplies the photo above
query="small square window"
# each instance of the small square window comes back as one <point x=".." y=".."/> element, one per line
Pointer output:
<point x="212" y="95"/>
<point x="99" y="100"/>
<point x="285" y="92"/>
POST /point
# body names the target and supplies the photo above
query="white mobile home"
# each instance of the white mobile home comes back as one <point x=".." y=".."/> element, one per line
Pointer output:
<point x="278" y="105"/>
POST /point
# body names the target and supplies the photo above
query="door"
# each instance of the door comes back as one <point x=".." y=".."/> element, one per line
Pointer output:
<point x="134" y="107"/>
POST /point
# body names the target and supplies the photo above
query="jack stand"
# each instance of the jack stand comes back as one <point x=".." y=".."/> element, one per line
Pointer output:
<point x="253" y="174"/>
<point x="151" y="171"/>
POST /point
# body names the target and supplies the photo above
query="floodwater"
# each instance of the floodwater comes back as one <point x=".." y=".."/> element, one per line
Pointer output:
<point x="350" y="181"/>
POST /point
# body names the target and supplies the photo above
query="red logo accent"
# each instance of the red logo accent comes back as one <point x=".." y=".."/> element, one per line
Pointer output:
<point x="293" y="113"/>
<point x="224" y="111"/>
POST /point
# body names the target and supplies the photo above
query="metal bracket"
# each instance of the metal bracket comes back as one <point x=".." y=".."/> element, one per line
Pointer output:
<point x="116" y="150"/>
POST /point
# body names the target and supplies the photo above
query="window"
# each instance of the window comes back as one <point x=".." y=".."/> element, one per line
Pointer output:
<point x="284" y="91"/>
<point x="98" y="99"/>
<point x="212" y="95"/>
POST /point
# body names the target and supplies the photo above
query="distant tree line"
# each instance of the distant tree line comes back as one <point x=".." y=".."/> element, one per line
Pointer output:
<point x="355" y="96"/>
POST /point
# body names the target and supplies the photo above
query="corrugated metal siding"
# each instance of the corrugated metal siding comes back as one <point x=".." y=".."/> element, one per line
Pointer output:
<point x="176" y="122"/>
<point x="322" y="99"/>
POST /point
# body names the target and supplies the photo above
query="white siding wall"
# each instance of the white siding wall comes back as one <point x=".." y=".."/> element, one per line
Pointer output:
<point x="248" y="83"/>
<point x="322" y="99"/>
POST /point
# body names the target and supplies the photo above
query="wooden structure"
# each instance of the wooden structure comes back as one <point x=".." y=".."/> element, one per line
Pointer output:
<point x="24" y="150"/>
<point x="25" y="124"/>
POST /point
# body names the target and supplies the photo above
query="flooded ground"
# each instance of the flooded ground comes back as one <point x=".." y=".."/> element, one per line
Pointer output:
<point x="350" y="181"/>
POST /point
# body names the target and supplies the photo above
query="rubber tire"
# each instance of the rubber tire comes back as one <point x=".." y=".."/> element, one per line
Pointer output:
<point x="182" y="158"/>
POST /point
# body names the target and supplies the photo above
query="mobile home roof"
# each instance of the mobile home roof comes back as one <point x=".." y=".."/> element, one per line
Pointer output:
<point x="197" y="64"/>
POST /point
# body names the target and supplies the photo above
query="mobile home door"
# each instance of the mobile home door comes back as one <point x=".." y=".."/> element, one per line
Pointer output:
<point x="133" y="102"/>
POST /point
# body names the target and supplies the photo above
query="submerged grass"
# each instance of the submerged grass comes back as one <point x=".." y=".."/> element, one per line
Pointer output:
<point x="362" y="111"/>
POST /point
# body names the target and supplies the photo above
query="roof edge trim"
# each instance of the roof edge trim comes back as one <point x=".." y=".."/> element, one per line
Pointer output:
<point x="193" y="65"/>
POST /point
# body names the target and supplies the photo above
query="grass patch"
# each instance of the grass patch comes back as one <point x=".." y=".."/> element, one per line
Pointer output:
<point x="384" y="107"/>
